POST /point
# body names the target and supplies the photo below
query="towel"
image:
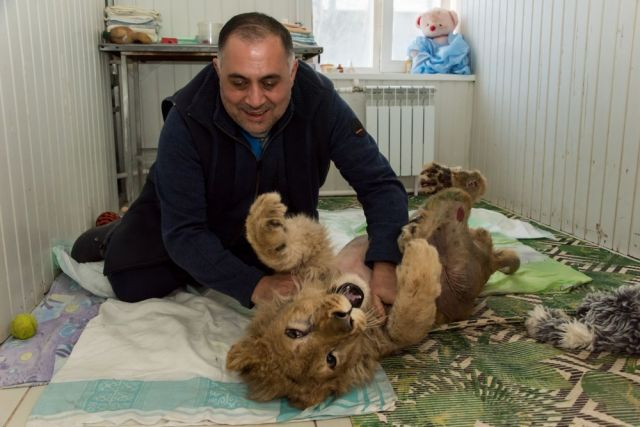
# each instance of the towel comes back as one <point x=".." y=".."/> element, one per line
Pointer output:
<point x="161" y="361"/>
<point x="300" y="35"/>
<point x="132" y="13"/>
<point x="138" y="19"/>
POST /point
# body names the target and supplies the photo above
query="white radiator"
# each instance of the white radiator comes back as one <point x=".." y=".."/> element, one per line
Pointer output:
<point x="402" y="120"/>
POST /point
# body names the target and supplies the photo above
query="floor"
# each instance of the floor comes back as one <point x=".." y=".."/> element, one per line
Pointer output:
<point x="16" y="404"/>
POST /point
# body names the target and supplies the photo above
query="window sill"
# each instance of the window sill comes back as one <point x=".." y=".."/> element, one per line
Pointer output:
<point x="401" y="76"/>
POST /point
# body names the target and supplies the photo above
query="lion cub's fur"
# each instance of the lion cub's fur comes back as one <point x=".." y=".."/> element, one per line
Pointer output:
<point x="316" y="343"/>
<point x="466" y="254"/>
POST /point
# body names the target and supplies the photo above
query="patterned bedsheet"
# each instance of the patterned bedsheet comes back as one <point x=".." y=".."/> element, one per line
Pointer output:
<point x="487" y="371"/>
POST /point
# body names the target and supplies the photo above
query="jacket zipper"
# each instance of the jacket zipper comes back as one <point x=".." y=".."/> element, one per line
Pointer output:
<point x="264" y="148"/>
<point x="258" y="161"/>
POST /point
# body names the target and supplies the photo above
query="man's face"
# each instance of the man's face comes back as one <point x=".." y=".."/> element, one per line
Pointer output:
<point x="256" y="78"/>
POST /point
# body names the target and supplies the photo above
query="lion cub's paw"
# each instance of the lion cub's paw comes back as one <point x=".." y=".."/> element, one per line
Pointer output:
<point x="269" y="207"/>
<point x="434" y="178"/>
<point x="420" y="269"/>
<point x="266" y="222"/>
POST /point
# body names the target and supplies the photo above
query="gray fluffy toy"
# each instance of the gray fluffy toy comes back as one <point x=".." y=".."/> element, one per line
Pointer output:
<point x="605" y="321"/>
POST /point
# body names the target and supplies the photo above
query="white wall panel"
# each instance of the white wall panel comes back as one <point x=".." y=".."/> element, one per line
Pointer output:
<point x="555" y="119"/>
<point x="628" y="195"/>
<point x="510" y="172"/>
<point x="57" y="168"/>
<point x="557" y="191"/>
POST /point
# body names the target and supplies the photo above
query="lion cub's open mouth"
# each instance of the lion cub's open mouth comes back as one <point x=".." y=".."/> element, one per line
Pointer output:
<point x="354" y="294"/>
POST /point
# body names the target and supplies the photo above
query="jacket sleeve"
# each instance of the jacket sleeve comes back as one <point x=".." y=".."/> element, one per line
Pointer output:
<point x="382" y="195"/>
<point x="181" y="190"/>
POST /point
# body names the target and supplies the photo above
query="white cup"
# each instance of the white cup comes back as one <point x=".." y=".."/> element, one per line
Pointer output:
<point x="208" y="32"/>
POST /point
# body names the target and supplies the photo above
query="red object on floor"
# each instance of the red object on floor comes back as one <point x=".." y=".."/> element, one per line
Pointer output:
<point x="106" y="218"/>
<point x="169" y="40"/>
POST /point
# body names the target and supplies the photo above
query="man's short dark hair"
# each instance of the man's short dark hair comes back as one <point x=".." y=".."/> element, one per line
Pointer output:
<point x="254" y="26"/>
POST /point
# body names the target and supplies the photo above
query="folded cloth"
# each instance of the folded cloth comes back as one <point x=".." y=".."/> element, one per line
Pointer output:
<point x="495" y="222"/>
<point x="141" y="20"/>
<point x="303" y="39"/>
<point x="162" y="361"/>
<point x="152" y="25"/>
<point x="296" y="28"/>
<point x="432" y="58"/>
<point x="300" y="35"/>
<point x="537" y="272"/>
<point x="87" y="274"/>
<point x="131" y="13"/>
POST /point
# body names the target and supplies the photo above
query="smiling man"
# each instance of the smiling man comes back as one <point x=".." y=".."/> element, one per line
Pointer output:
<point x="256" y="78"/>
<point x="254" y="122"/>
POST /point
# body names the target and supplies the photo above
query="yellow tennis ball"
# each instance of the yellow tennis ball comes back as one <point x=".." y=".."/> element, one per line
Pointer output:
<point x="24" y="326"/>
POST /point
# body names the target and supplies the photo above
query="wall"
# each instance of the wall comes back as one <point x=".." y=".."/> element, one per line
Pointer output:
<point x="57" y="165"/>
<point x="555" y="117"/>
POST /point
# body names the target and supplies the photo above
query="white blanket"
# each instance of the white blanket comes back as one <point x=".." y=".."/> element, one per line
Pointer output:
<point x="161" y="362"/>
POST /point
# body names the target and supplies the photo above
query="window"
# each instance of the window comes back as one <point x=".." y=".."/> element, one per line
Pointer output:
<point x="369" y="35"/>
<point x="344" y="28"/>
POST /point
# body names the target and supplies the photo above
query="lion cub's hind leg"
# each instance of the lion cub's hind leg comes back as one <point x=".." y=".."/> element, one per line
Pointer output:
<point x="414" y="311"/>
<point x="504" y="260"/>
<point x="436" y="177"/>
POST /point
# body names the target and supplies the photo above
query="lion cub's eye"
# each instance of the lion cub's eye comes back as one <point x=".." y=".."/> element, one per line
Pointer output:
<point x="294" y="333"/>
<point x="331" y="360"/>
<point x="340" y="314"/>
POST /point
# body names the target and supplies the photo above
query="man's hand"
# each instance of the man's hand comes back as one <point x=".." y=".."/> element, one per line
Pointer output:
<point x="282" y="284"/>
<point x="383" y="285"/>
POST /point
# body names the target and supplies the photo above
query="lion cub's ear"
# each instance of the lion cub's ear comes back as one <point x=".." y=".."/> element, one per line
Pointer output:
<point x="245" y="356"/>
<point x="253" y="360"/>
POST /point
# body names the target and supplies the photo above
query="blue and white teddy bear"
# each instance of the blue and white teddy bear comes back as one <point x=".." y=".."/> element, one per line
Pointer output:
<point x="439" y="50"/>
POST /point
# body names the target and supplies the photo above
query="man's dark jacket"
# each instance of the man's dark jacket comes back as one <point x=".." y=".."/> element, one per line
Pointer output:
<point x="193" y="206"/>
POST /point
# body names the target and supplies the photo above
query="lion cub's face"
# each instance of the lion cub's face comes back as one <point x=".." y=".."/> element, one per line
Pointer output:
<point x="307" y="347"/>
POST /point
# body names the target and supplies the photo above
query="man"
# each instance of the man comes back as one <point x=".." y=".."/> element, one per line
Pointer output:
<point x="257" y="121"/>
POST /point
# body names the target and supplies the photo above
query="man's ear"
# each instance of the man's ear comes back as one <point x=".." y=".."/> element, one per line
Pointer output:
<point x="216" y="65"/>
<point x="294" y="69"/>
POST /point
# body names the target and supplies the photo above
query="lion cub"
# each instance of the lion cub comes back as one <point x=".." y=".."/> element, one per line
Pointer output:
<point x="327" y="338"/>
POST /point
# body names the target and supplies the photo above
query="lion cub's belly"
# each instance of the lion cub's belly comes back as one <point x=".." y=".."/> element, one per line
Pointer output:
<point x="350" y="259"/>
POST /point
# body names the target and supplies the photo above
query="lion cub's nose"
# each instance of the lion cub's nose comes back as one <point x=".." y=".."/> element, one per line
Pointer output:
<point x="341" y="314"/>
<point x="344" y="319"/>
